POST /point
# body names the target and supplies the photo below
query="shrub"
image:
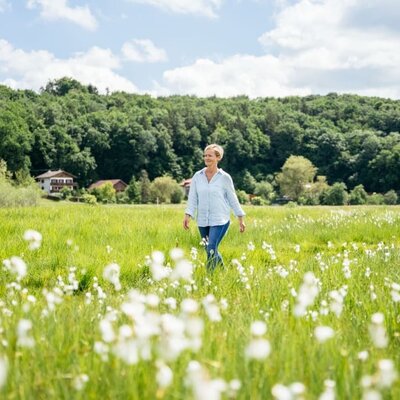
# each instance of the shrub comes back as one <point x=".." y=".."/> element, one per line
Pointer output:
<point x="335" y="195"/>
<point x="358" y="195"/>
<point x="375" y="199"/>
<point x="11" y="196"/>
<point x="66" y="193"/>
<point x="258" y="201"/>
<point x="177" y="195"/>
<point x="89" y="198"/>
<point x="390" y="197"/>
<point x="161" y="189"/>
<point x="105" y="193"/>
<point x="242" y="196"/>
<point x="122" y="198"/>
<point x="265" y="190"/>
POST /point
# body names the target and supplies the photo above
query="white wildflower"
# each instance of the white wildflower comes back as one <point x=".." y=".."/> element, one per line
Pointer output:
<point x="363" y="355"/>
<point x="258" y="349"/>
<point x="164" y="375"/>
<point x="111" y="274"/>
<point x="307" y="294"/>
<point x="329" y="393"/>
<point x="23" y="333"/>
<point x="176" y="254"/>
<point x="323" y="333"/>
<point x="107" y="331"/>
<point x="258" y="328"/>
<point x="102" y="349"/>
<point x="387" y="374"/>
<point x="189" y="306"/>
<point x="377" y="331"/>
<point x="80" y="381"/>
<point x="372" y="394"/>
<point x="34" y="238"/>
<point x="16" y="265"/>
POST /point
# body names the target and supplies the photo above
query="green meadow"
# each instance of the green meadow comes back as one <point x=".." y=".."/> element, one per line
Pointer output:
<point x="322" y="282"/>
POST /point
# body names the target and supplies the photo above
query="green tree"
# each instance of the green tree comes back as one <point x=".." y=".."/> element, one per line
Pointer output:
<point x="105" y="193"/>
<point x="358" y="195"/>
<point x="265" y="190"/>
<point x="335" y="195"/>
<point x="297" y="173"/>
<point x="133" y="191"/>
<point x="312" y="195"/>
<point x="390" y="197"/>
<point x="144" y="183"/>
<point x="162" y="188"/>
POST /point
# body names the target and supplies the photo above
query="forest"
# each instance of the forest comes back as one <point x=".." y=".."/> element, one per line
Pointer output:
<point x="351" y="139"/>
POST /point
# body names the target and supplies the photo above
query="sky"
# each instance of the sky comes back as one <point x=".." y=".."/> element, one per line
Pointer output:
<point x="224" y="48"/>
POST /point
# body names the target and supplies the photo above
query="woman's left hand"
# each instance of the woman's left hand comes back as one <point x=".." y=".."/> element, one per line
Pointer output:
<point x="242" y="225"/>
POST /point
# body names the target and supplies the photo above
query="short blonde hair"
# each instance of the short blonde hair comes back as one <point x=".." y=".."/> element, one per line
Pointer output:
<point x="218" y="150"/>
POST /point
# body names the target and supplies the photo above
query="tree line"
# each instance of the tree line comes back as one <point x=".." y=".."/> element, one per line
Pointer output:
<point x="349" y="139"/>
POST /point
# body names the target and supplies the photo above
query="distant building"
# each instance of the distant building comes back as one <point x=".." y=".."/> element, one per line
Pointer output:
<point x="118" y="184"/>
<point x="53" y="181"/>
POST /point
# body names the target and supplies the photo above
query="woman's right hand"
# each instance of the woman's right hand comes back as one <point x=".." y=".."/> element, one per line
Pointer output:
<point x="186" y="221"/>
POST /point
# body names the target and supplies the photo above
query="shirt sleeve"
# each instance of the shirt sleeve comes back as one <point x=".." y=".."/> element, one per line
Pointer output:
<point x="192" y="199"/>
<point x="232" y="198"/>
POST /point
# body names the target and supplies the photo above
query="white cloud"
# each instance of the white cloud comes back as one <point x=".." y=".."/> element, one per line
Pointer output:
<point x="207" y="8"/>
<point x="54" y="10"/>
<point x="316" y="46"/>
<point x="237" y="75"/>
<point x="143" y="50"/>
<point x="32" y="70"/>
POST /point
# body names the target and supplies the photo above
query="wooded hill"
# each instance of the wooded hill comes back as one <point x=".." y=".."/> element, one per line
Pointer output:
<point x="349" y="138"/>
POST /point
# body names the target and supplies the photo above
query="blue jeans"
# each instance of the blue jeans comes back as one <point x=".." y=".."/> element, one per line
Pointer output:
<point x="212" y="235"/>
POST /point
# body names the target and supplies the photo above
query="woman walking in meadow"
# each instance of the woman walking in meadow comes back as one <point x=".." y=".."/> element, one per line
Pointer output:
<point x="212" y="195"/>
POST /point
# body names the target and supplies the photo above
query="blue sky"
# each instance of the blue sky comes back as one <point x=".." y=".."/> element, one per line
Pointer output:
<point x="226" y="48"/>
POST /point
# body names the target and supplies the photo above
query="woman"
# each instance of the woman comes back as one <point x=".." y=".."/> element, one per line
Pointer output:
<point x="212" y="195"/>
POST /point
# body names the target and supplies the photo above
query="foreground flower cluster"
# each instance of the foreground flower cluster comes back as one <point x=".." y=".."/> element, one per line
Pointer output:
<point x="229" y="335"/>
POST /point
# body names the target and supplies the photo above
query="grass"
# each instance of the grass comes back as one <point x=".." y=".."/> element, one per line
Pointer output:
<point x="262" y="284"/>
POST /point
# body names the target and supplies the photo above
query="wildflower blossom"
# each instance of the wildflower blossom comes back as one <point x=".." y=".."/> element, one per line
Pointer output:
<point x="329" y="392"/>
<point x="323" y="333"/>
<point x="34" y="238"/>
<point x="387" y="374"/>
<point x="16" y="265"/>
<point x="80" y="381"/>
<point x="258" y="328"/>
<point x="164" y="375"/>
<point x="363" y="355"/>
<point x="111" y="274"/>
<point x="23" y="333"/>
<point x="395" y="292"/>
<point x="307" y="294"/>
<point x="258" y="347"/>
<point x="292" y="392"/>
<point x="202" y="386"/>
<point x="211" y="308"/>
<point x="377" y="331"/>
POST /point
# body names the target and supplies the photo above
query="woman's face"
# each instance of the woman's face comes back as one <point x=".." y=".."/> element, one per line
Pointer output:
<point x="210" y="158"/>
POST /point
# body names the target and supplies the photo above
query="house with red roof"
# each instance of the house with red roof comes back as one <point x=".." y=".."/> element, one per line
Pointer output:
<point x="118" y="184"/>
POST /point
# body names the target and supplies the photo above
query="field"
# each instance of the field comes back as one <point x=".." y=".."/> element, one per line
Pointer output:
<point x="106" y="305"/>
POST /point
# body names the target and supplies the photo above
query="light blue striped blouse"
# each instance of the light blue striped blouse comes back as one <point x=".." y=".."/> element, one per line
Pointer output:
<point x="212" y="200"/>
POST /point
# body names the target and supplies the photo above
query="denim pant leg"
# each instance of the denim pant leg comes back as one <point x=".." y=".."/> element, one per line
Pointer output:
<point x="213" y="235"/>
